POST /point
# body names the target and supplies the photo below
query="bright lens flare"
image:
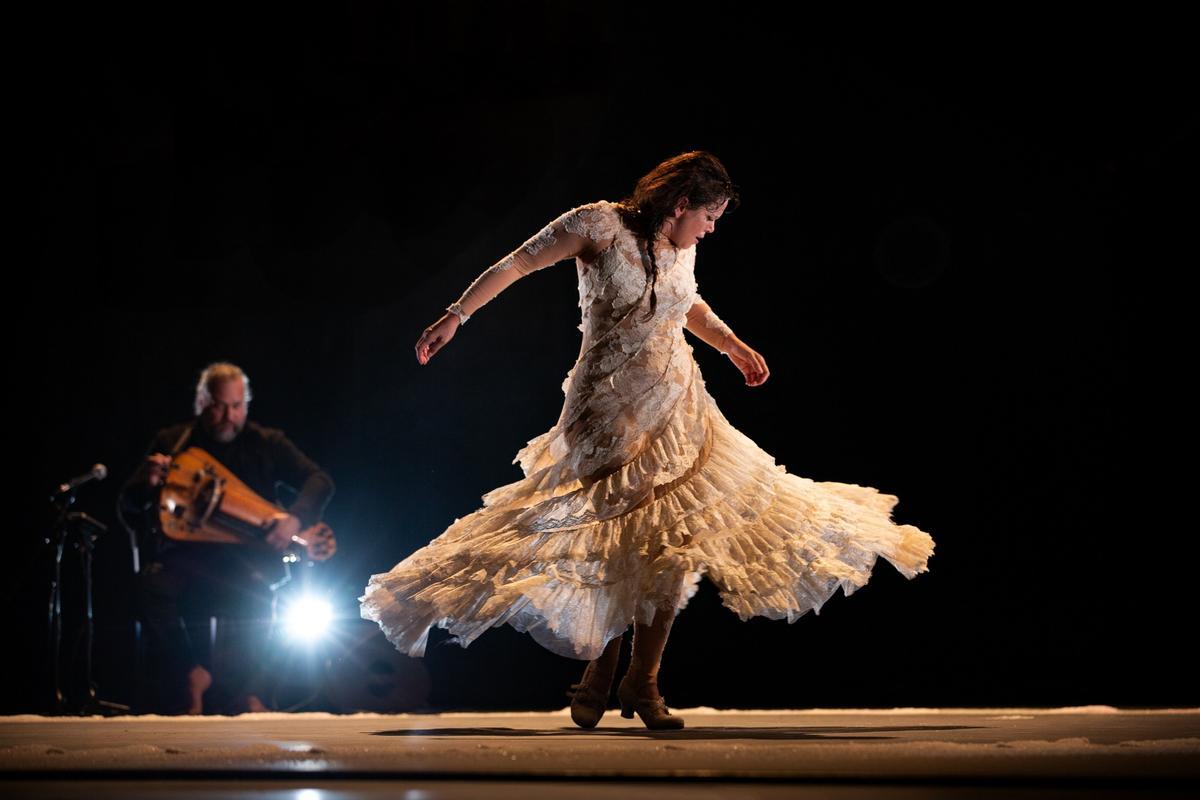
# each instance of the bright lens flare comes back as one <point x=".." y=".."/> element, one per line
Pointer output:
<point x="308" y="618"/>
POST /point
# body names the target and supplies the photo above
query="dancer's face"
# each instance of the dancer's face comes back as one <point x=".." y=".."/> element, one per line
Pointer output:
<point x="225" y="416"/>
<point x="690" y="225"/>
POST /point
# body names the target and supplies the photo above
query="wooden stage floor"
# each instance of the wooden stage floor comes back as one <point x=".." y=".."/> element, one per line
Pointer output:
<point x="1093" y="751"/>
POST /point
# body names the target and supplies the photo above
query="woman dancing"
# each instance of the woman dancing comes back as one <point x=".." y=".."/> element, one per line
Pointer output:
<point x="642" y="486"/>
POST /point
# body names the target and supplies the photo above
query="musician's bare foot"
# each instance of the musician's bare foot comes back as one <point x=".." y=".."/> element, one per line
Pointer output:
<point x="199" y="679"/>
<point x="254" y="705"/>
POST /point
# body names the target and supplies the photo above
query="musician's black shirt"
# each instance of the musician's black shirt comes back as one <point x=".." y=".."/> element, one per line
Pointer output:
<point x="261" y="457"/>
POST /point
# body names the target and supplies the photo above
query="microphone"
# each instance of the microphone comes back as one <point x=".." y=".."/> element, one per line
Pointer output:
<point x="98" y="472"/>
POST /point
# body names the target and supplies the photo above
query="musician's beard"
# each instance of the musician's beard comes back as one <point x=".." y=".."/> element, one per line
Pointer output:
<point x="225" y="432"/>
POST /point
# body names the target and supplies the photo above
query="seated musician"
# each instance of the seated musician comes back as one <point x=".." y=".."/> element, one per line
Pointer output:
<point x="182" y="580"/>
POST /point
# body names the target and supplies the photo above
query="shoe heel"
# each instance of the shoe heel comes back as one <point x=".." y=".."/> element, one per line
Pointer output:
<point x="626" y="711"/>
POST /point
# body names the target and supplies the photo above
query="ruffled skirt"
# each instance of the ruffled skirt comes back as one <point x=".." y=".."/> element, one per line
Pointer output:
<point x="573" y="563"/>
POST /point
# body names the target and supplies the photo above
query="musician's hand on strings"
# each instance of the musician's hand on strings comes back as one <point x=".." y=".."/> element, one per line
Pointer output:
<point x="436" y="336"/>
<point x="749" y="361"/>
<point x="318" y="541"/>
<point x="157" y="467"/>
<point x="280" y="534"/>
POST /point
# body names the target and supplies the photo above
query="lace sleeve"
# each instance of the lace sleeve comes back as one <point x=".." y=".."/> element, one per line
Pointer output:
<point x="567" y="236"/>
<point x="704" y="322"/>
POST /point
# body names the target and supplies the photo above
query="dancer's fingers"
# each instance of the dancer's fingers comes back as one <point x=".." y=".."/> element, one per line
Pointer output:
<point x="426" y="346"/>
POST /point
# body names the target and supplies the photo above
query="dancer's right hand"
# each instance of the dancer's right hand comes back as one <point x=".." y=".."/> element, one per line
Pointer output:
<point x="434" y="337"/>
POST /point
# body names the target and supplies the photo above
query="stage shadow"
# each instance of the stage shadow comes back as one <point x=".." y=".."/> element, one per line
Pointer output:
<point x="848" y="732"/>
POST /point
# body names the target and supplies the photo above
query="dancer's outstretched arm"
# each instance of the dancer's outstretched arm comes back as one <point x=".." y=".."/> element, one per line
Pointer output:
<point x="566" y="237"/>
<point x="551" y="245"/>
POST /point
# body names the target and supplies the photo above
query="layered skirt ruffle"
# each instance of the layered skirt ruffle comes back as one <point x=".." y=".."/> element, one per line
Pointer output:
<point x="574" y="562"/>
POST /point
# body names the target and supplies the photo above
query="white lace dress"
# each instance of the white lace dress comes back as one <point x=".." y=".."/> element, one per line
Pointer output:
<point x="640" y="488"/>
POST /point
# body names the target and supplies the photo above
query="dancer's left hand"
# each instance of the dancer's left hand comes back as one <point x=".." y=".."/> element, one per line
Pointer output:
<point x="749" y="361"/>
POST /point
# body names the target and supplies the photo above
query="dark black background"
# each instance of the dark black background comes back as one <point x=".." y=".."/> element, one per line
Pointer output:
<point x="958" y="250"/>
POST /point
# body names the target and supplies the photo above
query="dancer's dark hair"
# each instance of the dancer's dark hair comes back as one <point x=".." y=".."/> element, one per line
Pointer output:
<point x="697" y="175"/>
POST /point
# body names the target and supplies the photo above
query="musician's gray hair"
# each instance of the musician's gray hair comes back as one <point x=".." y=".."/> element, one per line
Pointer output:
<point x="214" y="374"/>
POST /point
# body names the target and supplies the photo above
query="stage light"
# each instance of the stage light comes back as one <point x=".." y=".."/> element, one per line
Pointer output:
<point x="307" y="618"/>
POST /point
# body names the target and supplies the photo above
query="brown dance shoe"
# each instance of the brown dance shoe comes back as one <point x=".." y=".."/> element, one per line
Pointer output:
<point x="589" y="697"/>
<point x="648" y="704"/>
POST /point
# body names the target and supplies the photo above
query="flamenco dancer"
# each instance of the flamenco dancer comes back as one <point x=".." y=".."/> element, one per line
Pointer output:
<point x="642" y="486"/>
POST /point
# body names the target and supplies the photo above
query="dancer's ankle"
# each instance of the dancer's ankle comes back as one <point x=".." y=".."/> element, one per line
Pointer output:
<point x="640" y="679"/>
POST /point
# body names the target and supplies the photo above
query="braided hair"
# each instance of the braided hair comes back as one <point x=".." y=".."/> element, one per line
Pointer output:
<point x="697" y="175"/>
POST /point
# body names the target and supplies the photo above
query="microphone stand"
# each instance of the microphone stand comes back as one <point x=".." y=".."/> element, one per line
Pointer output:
<point x="57" y="540"/>
<point x="88" y="530"/>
